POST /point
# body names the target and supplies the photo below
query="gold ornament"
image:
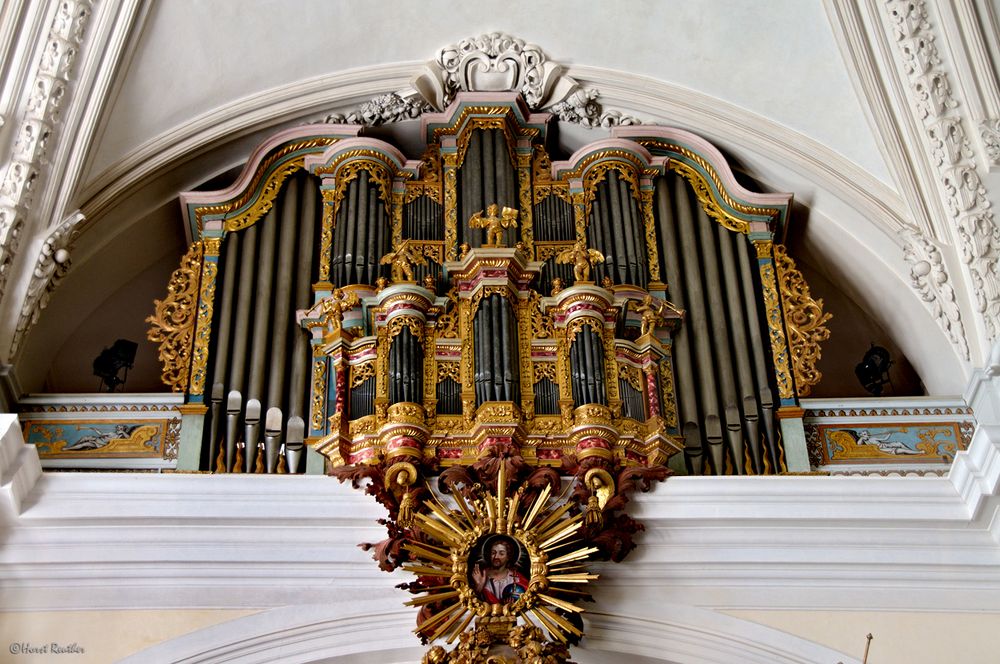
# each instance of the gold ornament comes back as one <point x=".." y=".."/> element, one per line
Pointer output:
<point x="494" y="222"/>
<point x="805" y="320"/>
<point x="172" y="324"/>
<point x="581" y="258"/>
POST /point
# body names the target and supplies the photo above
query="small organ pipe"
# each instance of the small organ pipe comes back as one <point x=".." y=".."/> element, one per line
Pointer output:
<point x="295" y="435"/>
<point x="251" y="435"/>
<point x="218" y="391"/>
<point x="233" y="403"/>
<point x="272" y="439"/>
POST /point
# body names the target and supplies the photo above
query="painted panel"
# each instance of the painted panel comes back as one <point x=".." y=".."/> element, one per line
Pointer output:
<point x="910" y="442"/>
<point x="97" y="439"/>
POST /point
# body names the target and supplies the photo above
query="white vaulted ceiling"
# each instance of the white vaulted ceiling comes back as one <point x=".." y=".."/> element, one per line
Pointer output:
<point x="198" y="84"/>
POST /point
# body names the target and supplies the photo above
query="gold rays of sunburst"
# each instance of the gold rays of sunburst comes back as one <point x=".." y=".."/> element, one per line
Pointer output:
<point x="544" y="527"/>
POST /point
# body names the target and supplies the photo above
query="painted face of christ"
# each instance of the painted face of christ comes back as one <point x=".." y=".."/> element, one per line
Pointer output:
<point x="495" y="577"/>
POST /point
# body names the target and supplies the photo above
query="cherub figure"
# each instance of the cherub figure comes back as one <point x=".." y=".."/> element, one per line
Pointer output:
<point x="494" y="222"/>
<point x="652" y="314"/>
<point x="402" y="260"/>
<point x="581" y="257"/>
<point x="335" y="306"/>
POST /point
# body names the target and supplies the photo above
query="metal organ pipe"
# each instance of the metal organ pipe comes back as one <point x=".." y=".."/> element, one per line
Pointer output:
<point x="728" y="243"/>
<point x="241" y="327"/>
<point x="694" y="278"/>
<point x="262" y="308"/>
<point x="283" y="318"/>
<point x="765" y="395"/>
<point x="721" y="342"/>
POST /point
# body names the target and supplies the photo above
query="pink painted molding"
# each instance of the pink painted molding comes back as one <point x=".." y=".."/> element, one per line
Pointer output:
<point x="708" y="152"/>
<point x="197" y="198"/>
<point x="395" y="160"/>
<point x="560" y="167"/>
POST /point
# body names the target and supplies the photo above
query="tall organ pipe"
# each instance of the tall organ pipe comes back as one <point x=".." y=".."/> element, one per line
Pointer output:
<point x="229" y="285"/>
<point x="241" y="326"/>
<point x="693" y="279"/>
<point x="302" y="298"/>
<point x="759" y="362"/>
<point x="262" y="309"/>
<point x="283" y="319"/>
<point x="720" y="334"/>
<point x="686" y="390"/>
<point x="727" y="244"/>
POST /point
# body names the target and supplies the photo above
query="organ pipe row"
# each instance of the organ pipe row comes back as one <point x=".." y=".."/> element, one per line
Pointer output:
<point x="362" y="290"/>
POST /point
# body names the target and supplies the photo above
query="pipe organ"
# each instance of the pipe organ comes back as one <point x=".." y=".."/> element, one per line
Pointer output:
<point x="624" y="304"/>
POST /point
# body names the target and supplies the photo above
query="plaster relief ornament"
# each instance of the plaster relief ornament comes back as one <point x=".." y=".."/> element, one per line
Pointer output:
<point x="493" y="62"/>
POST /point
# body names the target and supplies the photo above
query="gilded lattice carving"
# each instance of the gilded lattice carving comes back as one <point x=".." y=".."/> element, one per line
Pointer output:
<point x="544" y="370"/>
<point x="318" y="393"/>
<point x="631" y="375"/>
<point x="450" y="370"/>
<point x="779" y="346"/>
<point x="414" y="324"/>
<point x="362" y="372"/>
<point x="326" y="235"/>
<point x="203" y="327"/>
<point x="600" y="171"/>
<point x="544" y="185"/>
<point x="805" y="320"/>
<point x="173" y="323"/>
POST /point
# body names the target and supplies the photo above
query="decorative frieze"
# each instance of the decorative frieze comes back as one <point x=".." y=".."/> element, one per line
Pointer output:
<point x="934" y="104"/>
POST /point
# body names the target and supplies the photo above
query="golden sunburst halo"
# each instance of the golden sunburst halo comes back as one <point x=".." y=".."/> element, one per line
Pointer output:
<point x="543" y="529"/>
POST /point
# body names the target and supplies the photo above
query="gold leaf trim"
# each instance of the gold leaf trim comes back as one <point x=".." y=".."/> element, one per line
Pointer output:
<point x="775" y="324"/>
<point x="805" y="320"/>
<point x="172" y="324"/>
<point x="203" y="329"/>
<point x="708" y="203"/>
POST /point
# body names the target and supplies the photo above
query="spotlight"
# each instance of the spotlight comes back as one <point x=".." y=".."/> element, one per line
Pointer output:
<point x="873" y="370"/>
<point x="113" y="361"/>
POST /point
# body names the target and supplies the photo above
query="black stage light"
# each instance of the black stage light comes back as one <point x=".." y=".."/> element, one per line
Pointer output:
<point x="111" y="362"/>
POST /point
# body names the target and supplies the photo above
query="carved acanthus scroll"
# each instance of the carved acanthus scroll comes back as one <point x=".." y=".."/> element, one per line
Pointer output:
<point x="805" y="320"/>
<point x="172" y="324"/>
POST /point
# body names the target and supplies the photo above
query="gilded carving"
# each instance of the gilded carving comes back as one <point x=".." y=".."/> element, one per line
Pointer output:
<point x="413" y="323"/>
<point x="544" y="185"/>
<point x="362" y="372"/>
<point x="448" y="322"/>
<point x="708" y="203"/>
<point x="450" y="207"/>
<point x="669" y="401"/>
<point x="541" y="323"/>
<point x="804" y="318"/>
<point x="326" y="235"/>
<point x="631" y="375"/>
<point x="652" y="249"/>
<point x="524" y="198"/>
<point x="318" y="393"/>
<point x="545" y="370"/>
<point x="402" y="260"/>
<point x="658" y="144"/>
<point x="581" y="257"/>
<point x="494" y="221"/>
<point x="775" y="324"/>
<point x="203" y="327"/>
<point x="446" y="370"/>
<point x="265" y="199"/>
<point x="172" y="325"/>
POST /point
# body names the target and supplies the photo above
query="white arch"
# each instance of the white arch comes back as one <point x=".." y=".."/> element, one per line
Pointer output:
<point x="355" y="631"/>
